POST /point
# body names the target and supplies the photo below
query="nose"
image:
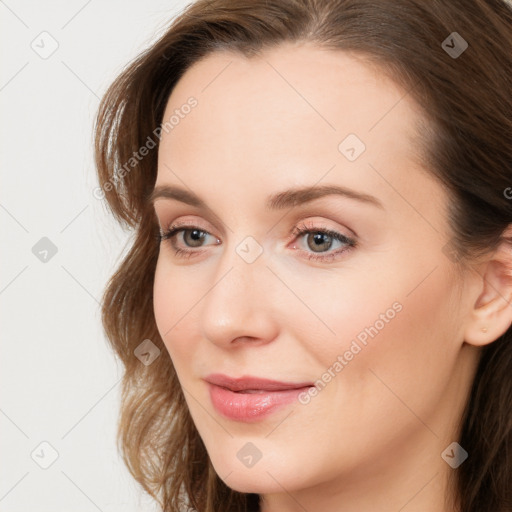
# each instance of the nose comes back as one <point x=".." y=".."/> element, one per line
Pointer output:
<point x="240" y="306"/>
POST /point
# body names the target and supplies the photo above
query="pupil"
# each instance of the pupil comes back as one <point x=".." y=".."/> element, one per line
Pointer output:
<point x="319" y="239"/>
<point x="196" y="236"/>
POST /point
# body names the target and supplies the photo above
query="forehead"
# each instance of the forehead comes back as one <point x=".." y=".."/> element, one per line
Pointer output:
<point x="285" y="115"/>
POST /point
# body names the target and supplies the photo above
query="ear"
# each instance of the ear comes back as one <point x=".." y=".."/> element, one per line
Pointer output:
<point x="491" y="315"/>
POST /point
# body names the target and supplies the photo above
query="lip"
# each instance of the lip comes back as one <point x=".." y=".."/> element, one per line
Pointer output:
<point x="250" y="399"/>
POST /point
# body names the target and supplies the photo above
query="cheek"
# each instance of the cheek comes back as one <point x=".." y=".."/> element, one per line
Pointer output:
<point x="340" y="312"/>
<point x="173" y="301"/>
<point x="396" y="322"/>
<point x="391" y="360"/>
<point x="406" y="363"/>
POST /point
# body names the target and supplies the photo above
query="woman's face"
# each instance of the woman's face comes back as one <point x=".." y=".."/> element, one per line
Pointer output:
<point x="374" y="318"/>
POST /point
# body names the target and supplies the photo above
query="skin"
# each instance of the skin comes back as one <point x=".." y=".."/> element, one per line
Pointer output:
<point x="372" y="438"/>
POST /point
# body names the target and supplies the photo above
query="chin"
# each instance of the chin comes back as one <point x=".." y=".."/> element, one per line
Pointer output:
<point x="249" y="481"/>
<point x="264" y="477"/>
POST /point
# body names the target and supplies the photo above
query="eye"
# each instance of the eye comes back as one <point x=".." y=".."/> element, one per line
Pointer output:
<point x="191" y="235"/>
<point x="318" y="239"/>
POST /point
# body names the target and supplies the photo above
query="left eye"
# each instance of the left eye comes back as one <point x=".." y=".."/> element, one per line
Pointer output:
<point x="319" y="238"/>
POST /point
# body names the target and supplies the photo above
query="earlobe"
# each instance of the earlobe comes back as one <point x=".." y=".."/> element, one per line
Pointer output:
<point x="491" y="315"/>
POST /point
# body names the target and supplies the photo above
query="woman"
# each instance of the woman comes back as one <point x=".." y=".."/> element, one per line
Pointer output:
<point x="315" y="311"/>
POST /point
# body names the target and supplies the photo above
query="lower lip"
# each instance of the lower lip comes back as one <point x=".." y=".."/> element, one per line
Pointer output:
<point x="250" y="407"/>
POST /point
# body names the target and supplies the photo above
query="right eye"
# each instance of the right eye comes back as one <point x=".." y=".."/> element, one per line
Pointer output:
<point x="191" y="234"/>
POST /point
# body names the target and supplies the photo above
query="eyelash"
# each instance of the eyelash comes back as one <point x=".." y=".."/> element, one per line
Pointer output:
<point x="298" y="231"/>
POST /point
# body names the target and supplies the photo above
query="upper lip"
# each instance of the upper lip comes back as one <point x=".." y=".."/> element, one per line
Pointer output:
<point x="250" y="382"/>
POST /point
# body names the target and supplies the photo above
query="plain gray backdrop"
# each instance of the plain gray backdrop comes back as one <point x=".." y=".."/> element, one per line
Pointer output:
<point x="60" y="382"/>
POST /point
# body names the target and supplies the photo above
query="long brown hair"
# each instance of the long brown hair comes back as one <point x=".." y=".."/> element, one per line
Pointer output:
<point x="467" y="143"/>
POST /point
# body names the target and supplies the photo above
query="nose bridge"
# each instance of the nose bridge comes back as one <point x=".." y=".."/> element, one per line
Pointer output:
<point x="243" y="265"/>
<point x="238" y="303"/>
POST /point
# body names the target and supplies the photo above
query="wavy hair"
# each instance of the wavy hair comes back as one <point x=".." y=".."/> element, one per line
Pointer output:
<point x="467" y="143"/>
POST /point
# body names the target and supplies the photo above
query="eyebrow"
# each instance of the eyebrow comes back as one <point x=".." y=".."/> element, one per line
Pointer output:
<point x="279" y="201"/>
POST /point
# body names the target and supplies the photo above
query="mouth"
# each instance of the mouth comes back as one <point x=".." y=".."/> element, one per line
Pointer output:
<point x="248" y="390"/>
<point x="251" y="384"/>
<point x="250" y="399"/>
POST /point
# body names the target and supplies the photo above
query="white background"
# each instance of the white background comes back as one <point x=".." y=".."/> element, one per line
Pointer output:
<point x="59" y="380"/>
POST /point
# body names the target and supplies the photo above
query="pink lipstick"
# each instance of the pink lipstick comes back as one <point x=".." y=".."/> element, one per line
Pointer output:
<point x="250" y="399"/>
